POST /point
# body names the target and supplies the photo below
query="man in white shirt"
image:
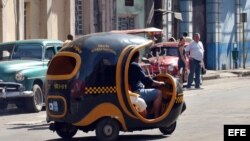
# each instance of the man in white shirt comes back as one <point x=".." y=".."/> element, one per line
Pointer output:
<point x="196" y="54"/>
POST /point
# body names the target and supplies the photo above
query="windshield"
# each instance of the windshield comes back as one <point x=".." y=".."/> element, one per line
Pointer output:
<point x="27" y="52"/>
<point x="161" y="51"/>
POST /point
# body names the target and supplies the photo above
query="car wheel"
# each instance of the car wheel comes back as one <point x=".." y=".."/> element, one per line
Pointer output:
<point x="168" y="129"/>
<point x="65" y="131"/>
<point x="35" y="103"/>
<point x="3" y="104"/>
<point x="107" y="129"/>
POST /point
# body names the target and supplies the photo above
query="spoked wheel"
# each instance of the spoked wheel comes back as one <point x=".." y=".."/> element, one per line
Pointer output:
<point x="168" y="129"/>
<point x="107" y="129"/>
<point x="35" y="103"/>
<point x="65" y="131"/>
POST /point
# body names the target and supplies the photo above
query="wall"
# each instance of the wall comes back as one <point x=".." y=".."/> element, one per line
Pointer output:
<point x="222" y="33"/>
<point x="245" y="5"/>
<point x="8" y="21"/>
<point x="52" y="19"/>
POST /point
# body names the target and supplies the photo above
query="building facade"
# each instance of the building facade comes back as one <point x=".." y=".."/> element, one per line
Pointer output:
<point x="222" y="30"/>
<point x="94" y="16"/>
<point x="30" y="19"/>
<point x="220" y="22"/>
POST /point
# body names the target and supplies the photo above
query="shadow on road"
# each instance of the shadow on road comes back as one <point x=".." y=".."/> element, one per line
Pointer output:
<point x="42" y="126"/>
<point x="13" y="110"/>
<point x="141" y="137"/>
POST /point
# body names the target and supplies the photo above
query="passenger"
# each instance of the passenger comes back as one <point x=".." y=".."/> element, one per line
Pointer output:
<point x="138" y="80"/>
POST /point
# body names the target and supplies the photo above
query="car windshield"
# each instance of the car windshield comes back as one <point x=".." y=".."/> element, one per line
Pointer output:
<point x="27" y="52"/>
<point x="161" y="51"/>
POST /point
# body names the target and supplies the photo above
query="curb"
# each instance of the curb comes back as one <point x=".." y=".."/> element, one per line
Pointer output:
<point x="243" y="73"/>
<point x="211" y="76"/>
<point x="226" y="74"/>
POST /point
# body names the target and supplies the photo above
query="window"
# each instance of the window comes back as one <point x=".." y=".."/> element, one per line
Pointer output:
<point x="129" y="2"/>
<point x="78" y="16"/>
<point x="27" y="52"/>
<point x="5" y="52"/>
<point x="126" y="23"/>
<point x="50" y="52"/>
<point x="57" y="65"/>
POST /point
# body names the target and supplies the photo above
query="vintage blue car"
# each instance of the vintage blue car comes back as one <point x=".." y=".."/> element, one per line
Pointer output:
<point x="23" y="66"/>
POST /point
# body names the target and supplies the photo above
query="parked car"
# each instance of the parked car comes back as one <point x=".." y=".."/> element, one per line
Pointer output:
<point x="163" y="58"/>
<point x="23" y="66"/>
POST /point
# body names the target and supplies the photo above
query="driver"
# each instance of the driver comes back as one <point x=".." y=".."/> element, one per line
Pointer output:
<point x="138" y="80"/>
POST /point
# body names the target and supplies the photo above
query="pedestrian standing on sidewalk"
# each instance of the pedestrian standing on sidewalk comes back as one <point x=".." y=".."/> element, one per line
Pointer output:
<point x="196" y="54"/>
<point x="69" y="39"/>
<point x="188" y="38"/>
<point x="182" y="63"/>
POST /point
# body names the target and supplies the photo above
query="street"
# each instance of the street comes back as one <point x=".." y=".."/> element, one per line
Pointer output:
<point x="220" y="102"/>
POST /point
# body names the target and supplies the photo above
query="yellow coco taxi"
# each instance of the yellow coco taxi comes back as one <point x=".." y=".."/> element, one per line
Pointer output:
<point x="87" y="89"/>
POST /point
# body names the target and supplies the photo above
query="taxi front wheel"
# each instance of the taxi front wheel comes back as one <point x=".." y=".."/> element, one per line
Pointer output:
<point x="107" y="129"/>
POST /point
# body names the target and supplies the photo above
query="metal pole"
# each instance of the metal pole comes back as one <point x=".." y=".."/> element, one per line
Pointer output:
<point x="243" y="45"/>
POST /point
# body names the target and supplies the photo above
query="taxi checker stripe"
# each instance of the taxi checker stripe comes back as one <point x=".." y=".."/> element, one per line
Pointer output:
<point x="179" y="99"/>
<point x="99" y="90"/>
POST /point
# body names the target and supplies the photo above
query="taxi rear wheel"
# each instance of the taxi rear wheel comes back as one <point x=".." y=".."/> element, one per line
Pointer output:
<point x="35" y="103"/>
<point x="168" y="129"/>
<point x="65" y="131"/>
<point x="107" y="129"/>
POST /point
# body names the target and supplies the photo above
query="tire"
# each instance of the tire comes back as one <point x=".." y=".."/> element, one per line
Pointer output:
<point x="35" y="103"/>
<point x="3" y="104"/>
<point x="65" y="131"/>
<point x="168" y="130"/>
<point x="107" y="129"/>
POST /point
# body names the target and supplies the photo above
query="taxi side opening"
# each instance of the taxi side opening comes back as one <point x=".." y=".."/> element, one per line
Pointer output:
<point x="57" y="66"/>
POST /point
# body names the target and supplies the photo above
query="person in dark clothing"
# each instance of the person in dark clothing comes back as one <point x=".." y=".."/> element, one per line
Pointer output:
<point x="138" y="80"/>
<point x="182" y="63"/>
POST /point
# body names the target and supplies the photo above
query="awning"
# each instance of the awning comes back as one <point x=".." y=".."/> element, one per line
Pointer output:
<point x="136" y="31"/>
<point x="177" y="15"/>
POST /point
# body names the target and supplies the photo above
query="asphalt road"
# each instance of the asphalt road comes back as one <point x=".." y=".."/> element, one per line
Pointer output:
<point x="222" y="101"/>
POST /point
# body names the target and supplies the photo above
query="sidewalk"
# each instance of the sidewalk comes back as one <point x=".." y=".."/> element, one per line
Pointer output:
<point x="215" y="74"/>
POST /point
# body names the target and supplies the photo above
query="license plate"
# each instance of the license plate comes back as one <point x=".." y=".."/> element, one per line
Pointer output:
<point x="53" y="106"/>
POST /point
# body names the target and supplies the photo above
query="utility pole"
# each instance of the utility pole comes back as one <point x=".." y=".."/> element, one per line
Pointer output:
<point x="158" y="14"/>
<point x="158" y="19"/>
<point x="244" y="53"/>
